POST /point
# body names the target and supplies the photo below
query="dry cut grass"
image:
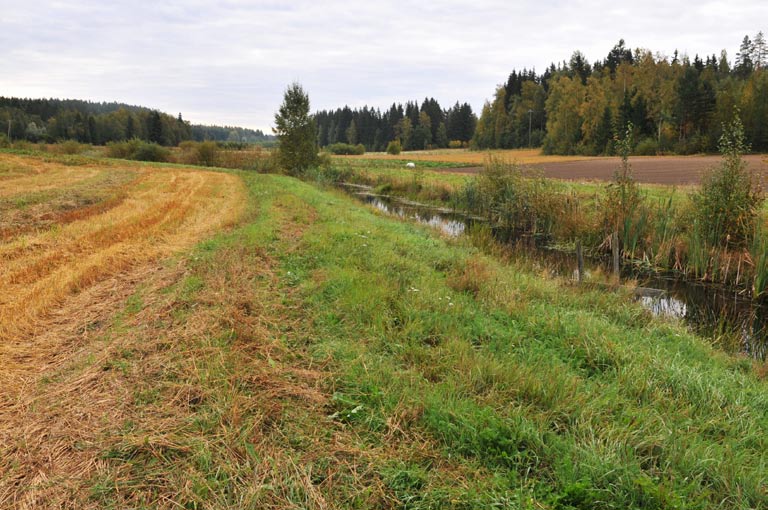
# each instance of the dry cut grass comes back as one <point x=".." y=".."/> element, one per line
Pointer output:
<point x="193" y="347"/>
<point x="165" y="210"/>
<point x="36" y="210"/>
<point x="20" y="174"/>
<point x="467" y="157"/>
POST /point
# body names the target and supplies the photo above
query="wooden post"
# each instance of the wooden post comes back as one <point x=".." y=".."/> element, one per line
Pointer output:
<point x="616" y="261"/>
<point x="580" y="260"/>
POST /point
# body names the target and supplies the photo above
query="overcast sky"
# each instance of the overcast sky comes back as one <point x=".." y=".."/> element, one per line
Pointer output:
<point x="228" y="62"/>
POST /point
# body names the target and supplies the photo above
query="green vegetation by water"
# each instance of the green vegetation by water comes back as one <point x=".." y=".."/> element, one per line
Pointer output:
<point x="373" y="364"/>
<point x="712" y="233"/>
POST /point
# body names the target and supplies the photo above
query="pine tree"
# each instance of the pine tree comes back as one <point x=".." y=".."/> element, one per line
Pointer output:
<point x="723" y="66"/>
<point x="129" y="128"/>
<point x="442" y="136"/>
<point x="580" y="67"/>
<point x="617" y="55"/>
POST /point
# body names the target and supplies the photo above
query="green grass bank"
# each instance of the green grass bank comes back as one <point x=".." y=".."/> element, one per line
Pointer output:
<point x="322" y="356"/>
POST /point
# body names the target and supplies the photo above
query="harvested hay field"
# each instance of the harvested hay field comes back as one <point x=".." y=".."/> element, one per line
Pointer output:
<point x="466" y="157"/>
<point x="19" y="174"/>
<point x="67" y="229"/>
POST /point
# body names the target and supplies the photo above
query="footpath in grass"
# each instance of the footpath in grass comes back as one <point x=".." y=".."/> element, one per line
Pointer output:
<point x="322" y="356"/>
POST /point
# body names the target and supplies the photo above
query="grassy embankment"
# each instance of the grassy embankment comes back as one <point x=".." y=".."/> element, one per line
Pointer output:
<point x="322" y="356"/>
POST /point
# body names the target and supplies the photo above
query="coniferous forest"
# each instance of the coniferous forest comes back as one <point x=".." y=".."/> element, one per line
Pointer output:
<point x="416" y="127"/>
<point x="51" y="120"/>
<point x="674" y="104"/>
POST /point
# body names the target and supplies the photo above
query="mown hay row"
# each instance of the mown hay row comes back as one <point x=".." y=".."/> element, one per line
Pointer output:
<point x="168" y="210"/>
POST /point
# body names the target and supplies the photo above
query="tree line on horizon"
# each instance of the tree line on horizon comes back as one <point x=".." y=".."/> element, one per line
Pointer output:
<point x="673" y="104"/>
<point x="98" y="123"/>
<point x="415" y="126"/>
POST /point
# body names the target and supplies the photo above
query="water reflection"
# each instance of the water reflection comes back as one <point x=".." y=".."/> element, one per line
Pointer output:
<point x="664" y="305"/>
<point x="449" y="223"/>
<point x="735" y="321"/>
<point x="730" y="319"/>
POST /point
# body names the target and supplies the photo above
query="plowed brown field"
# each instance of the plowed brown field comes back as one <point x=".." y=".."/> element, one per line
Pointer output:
<point x="673" y="170"/>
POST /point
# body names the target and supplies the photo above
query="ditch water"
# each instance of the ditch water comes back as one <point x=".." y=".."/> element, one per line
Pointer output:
<point x="729" y="319"/>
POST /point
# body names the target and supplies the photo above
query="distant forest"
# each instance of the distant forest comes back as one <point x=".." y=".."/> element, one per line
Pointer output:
<point x="50" y="120"/>
<point x="416" y="127"/>
<point x="674" y="104"/>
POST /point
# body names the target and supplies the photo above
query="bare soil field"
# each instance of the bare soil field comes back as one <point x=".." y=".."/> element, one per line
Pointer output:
<point x="671" y="170"/>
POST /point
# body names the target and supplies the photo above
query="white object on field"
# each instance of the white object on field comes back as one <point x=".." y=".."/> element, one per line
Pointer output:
<point x="410" y="164"/>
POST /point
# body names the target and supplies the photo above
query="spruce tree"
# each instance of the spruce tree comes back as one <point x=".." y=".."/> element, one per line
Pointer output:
<point x="743" y="65"/>
<point x="759" y="51"/>
<point x="155" y="127"/>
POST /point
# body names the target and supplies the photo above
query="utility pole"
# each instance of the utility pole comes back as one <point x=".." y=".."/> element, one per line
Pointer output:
<point x="9" y="130"/>
<point x="530" y="113"/>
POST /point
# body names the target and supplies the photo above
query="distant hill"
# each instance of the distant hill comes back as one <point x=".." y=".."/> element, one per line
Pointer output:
<point x="101" y="122"/>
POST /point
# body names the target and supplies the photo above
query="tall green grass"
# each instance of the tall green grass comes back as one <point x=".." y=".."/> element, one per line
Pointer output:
<point x="576" y="399"/>
<point x="759" y="253"/>
<point x="515" y="199"/>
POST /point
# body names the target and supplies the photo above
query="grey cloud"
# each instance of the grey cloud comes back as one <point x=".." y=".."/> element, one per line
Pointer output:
<point x="229" y="61"/>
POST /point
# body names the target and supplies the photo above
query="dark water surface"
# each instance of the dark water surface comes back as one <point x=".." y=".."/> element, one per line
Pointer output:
<point x="731" y="320"/>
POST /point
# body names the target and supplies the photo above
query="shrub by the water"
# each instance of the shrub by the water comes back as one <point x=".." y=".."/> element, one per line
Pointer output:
<point x="199" y="153"/>
<point x="727" y="204"/>
<point x="624" y="208"/>
<point x="515" y="198"/>
<point x="207" y="153"/>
